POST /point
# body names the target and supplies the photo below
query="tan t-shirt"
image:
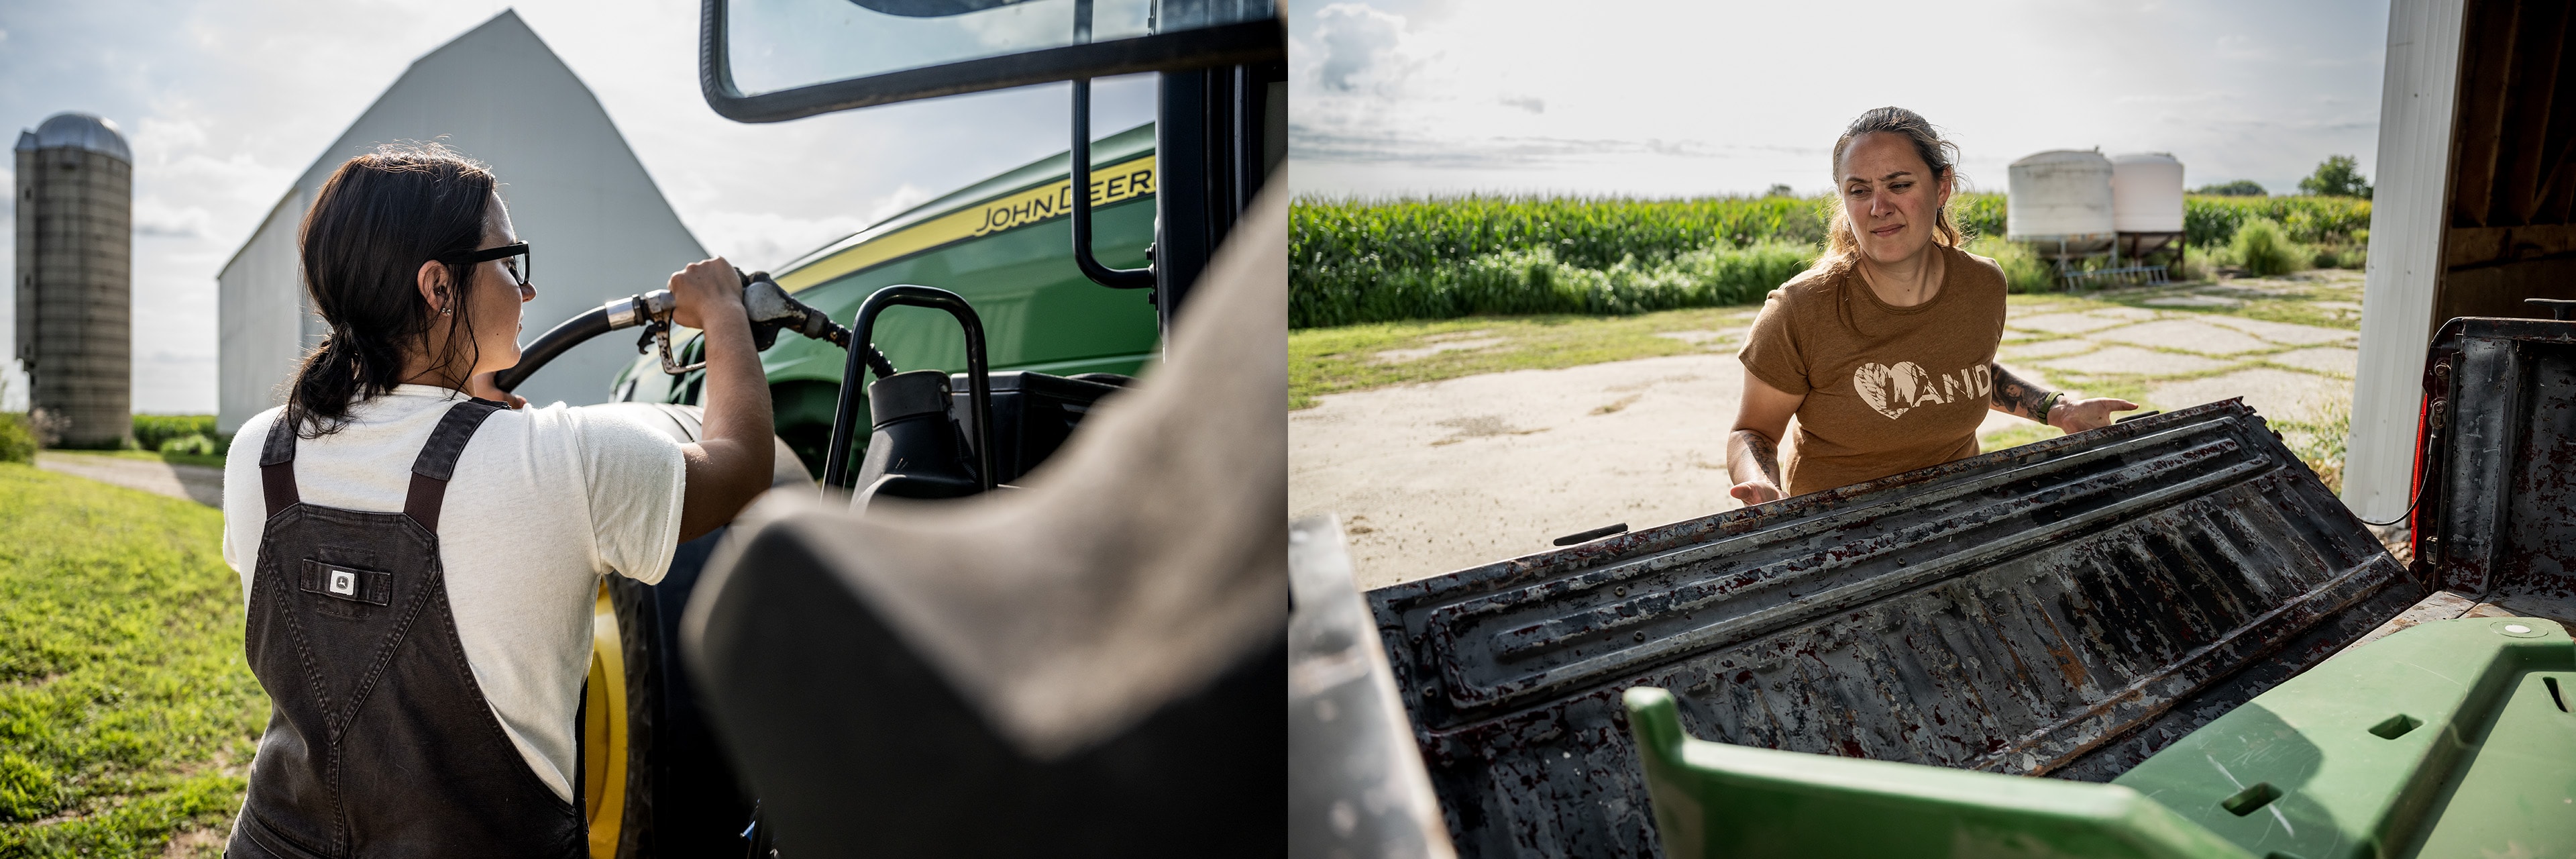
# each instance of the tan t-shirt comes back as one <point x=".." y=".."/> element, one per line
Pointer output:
<point x="1889" y="389"/>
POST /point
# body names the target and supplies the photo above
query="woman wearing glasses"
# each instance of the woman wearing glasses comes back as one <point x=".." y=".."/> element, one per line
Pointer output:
<point x="420" y="558"/>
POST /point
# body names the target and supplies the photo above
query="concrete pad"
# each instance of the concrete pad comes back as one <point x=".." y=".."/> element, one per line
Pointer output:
<point x="2261" y="288"/>
<point x="1435" y="477"/>
<point x="2276" y="394"/>
<point x="2046" y="349"/>
<point x="2190" y="335"/>
<point x="2124" y="314"/>
<point x="197" y="483"/>
<point x="2062" y="323"/>
<point x="2130" y="360"/>
<point x="2194" y="301"/>
<point x="2322" y="359"/>
<point x="1399" y="356"/>
<point x="1703" y="338"/>
<point x="2285" y="333"/>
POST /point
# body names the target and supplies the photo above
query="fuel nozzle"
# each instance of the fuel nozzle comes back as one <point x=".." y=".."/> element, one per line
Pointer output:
<point x="771" y="309"/>
<point x="765" y="304"/>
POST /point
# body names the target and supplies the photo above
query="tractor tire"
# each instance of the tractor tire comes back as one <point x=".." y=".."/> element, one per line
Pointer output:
<point x="654" y="781"/>
<point x="618" y="726"/>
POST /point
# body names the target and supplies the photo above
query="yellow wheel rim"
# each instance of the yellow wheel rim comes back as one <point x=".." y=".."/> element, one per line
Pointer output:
<point x="603" y="731"/>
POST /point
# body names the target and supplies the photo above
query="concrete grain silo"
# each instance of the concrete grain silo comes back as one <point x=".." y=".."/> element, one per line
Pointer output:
<point x="75" y="281"/>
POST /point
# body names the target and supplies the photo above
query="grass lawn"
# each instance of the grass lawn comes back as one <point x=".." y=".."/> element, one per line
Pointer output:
<point x="1358" y="357"/>
<point x="127" y="715"/>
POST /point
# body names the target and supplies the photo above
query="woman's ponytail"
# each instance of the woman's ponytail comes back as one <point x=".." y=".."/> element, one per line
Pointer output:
<point x="379" y="218"/>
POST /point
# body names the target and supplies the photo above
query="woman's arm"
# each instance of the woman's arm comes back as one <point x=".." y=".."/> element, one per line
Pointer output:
<point x="730" y="463"/>
<point x="2013" y="396"/>
<point x="1753" y="447"/>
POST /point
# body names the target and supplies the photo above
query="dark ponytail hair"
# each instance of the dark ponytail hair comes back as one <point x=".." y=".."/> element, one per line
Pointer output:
<point x="377" y="220"/>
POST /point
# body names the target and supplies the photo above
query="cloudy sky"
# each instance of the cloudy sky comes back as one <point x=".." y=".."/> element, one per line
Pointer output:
<point x="225" y="103"/>
<point x="1683" y="98"/>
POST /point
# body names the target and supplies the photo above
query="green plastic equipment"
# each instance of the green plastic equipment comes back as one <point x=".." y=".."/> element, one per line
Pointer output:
<point x="2451" y="738"/>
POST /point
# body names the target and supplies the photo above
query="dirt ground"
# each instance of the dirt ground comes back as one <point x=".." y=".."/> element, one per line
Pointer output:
<point x="1438" y="476"/>
<point x="1429" y="478"/>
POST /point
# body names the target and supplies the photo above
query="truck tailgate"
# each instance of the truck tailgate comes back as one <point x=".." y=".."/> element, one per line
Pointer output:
<point x="2064" y="608"/>
<point x="2494" y="515"/>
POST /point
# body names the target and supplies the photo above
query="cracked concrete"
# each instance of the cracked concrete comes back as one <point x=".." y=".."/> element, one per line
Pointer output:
<point x="2131" y="360"/>
<point x="2189" y="335"/>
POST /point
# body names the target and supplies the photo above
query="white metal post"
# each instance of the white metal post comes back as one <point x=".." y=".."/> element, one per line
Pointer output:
<point x="2415" y="115"/>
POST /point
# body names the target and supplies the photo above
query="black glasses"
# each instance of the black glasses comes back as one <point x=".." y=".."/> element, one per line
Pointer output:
<point x="512" y="257"/>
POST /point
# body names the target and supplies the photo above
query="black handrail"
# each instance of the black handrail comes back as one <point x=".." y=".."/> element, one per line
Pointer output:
<point x="979" y="384"/>
<point x="1114" y="278"/>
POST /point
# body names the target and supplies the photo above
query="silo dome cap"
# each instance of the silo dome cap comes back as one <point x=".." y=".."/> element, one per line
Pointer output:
<point x="79" y="130"/>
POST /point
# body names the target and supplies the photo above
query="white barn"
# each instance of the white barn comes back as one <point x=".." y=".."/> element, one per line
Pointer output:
<point x="596" y="225"/>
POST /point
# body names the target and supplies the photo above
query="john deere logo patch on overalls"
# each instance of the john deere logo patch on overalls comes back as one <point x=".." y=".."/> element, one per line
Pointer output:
<point x="344" y="582"/>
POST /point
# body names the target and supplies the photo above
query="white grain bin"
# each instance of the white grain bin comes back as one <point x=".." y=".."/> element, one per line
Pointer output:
<point x="2146" y="193"/>
<point x="2059" y="201"/>
<point x="2146" y="201"/>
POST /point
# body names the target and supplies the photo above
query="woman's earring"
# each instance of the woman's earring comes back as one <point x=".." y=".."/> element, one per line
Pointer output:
<point x="447" y="311"/>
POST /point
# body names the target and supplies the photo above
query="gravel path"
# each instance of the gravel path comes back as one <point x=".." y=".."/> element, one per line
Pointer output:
<point x="1439" y="476"/>
<point x="197" y="483"/>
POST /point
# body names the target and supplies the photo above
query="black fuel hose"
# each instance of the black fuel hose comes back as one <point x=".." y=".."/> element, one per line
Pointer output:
<point x="553" y="344"/>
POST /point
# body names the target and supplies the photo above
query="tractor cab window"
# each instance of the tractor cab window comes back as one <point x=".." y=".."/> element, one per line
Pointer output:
<point x="904" y="49"/>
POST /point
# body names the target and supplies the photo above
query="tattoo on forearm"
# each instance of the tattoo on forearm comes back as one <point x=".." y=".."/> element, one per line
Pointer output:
<point x="1764" y="452"/>
<point x="2014" y="396"/>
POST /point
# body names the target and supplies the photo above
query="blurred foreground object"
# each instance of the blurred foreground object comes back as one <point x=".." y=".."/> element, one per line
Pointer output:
<point x="1356" y="788"/>
<point x="1089" y="666"/>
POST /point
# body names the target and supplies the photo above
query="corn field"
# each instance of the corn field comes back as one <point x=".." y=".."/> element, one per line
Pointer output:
<point x="1355" y="261"/>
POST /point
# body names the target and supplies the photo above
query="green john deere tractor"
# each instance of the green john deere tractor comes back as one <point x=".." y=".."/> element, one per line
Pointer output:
<point x="1004" y="245"/>
<point x="1045" y="288"/>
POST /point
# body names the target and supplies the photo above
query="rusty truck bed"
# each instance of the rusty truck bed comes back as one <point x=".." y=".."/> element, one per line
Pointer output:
<point x="2494" y="517"/>
<point x="2064" y="608"/>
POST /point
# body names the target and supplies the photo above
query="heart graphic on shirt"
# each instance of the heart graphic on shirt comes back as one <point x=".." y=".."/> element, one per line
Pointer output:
<point x="1883" y="386"/>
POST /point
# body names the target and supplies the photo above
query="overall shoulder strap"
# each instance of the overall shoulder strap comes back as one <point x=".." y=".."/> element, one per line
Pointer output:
<point x="277" y="463"/>
<point x="437" y="460"/>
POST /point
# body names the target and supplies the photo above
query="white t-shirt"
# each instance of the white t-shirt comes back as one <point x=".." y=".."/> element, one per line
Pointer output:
<point x="543" y="503"/>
